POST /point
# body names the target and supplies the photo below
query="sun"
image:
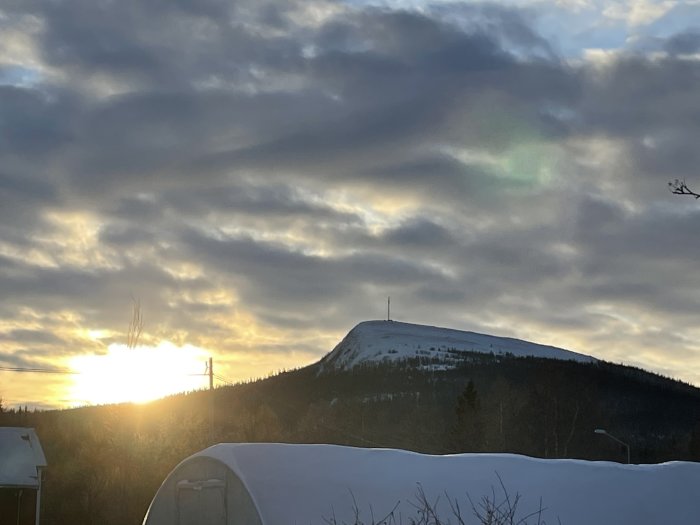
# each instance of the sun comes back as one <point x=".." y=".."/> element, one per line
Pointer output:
<point x="137" y="375"/>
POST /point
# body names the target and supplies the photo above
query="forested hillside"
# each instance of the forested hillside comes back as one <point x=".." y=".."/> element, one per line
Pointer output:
<point x="105" y="463"/>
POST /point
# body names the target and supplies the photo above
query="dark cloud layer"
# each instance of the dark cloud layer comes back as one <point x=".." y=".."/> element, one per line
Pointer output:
<point x="296" y="162"/>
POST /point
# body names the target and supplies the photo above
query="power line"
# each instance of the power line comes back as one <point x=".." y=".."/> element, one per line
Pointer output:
<point x="223" y="380"/>
<point x="64" y="371"/>
<point x="38" y="370"/>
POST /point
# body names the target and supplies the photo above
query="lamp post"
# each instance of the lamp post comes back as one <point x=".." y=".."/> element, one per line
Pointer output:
<point x="605" y="433"/>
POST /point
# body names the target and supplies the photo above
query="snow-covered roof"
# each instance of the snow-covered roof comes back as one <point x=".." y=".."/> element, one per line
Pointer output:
<point x="378" y="341"/>
<point x="303" y="484"/>
<point x="21" y="456"/>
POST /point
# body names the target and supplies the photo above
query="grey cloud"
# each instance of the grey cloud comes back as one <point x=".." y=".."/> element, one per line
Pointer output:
<point x="641" y="260"/>
<point x="15" y="359"/>
<point x="20" y="198"/>
<point x="420" y="232"/>
<point x="141" y="210"/>
<point x="439" y="179"/>
<point x="596" y="215"/>
<point x="317" y="273"/>
<point x="38" y="356"/>
<point x="273" y="278"/>
<point x="393" y="99"/>
<point x="670" y="153"/>
<point x="31" y="336"/>
<point x="35" y="127"/>
<point x="101" y="297"/>
<point x="417" y="238"/>
<point x="684" y="43"/>
<point x="413" y="38"/>
<point x="334" y="147"/>
<point x="33" y="123"/>
<point x="31" y="190"/>
<point x="126" y="236"/>
<point x="512" y="26"/>
<point x="656" y="236"/>
<point x="49" y="283"/>
<point x="394" y="95"/>
<point x="444" y="296"/>
<point x="145" y="221"/>
<point x="147" y="44"/>
<point x="637" y="95"/>
<point x="441" y="175"/>
<point x="269" y="200"/>
<point x="148" y="141"/>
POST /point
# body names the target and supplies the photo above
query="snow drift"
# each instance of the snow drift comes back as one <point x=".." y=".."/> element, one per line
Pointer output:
<point x="385" y="341"/>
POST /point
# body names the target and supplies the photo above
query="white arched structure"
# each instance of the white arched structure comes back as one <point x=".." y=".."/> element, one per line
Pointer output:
<point x="278" y="484"/>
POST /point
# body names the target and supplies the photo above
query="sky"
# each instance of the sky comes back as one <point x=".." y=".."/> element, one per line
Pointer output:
<point x="259" y="176"/>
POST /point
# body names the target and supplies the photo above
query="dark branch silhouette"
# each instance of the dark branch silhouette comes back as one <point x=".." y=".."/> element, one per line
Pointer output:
<point x="135" y="326"/>
<point x="679" y="187"/>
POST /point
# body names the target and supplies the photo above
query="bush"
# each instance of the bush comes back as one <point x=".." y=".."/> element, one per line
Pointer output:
<point x="498" y="508"/>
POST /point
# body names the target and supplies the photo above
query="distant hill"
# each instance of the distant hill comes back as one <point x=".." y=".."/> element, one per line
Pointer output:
<point x="440" y="348"/>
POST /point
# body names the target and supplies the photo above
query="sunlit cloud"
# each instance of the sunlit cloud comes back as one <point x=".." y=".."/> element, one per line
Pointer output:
<point x="638" y="12"/>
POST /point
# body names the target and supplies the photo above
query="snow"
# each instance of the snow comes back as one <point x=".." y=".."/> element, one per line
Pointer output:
<point x="303" y="484"/>
<point x="384" y="341"/>
<point x="20" y="457"/>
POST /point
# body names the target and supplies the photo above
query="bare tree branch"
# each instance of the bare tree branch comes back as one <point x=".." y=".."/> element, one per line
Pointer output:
<point x="489" y="510"/>
<point x="136" y="325"/>
<point x="679" y="187"/>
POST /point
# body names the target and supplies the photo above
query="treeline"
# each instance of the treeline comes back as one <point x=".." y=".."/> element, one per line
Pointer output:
<point x="106" y="463"/>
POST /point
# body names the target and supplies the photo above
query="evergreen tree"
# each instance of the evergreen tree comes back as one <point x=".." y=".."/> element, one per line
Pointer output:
<point x="695" y="443"/>
<point x="468" y="430"/>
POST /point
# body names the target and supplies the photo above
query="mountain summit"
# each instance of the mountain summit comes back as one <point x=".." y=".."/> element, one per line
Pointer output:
<point x="442" y="348"/>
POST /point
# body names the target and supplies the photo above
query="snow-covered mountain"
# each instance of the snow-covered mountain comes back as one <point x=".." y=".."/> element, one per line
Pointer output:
<point x="442" y="348"/>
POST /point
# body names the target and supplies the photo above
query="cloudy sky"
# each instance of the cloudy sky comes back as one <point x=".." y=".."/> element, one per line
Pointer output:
<point x="261" y="175"/>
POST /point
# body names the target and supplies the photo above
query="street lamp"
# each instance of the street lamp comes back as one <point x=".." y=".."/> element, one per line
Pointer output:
<point x="605" y="433"/>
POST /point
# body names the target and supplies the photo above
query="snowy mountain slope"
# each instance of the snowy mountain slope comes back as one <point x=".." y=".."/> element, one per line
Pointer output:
<point x="444" y="348"/>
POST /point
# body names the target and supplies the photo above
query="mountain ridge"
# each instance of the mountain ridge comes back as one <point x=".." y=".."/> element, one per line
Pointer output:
<point x="372" y="342"/>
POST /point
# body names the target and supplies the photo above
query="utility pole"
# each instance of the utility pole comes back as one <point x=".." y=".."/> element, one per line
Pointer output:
<point x="210" y="371"/>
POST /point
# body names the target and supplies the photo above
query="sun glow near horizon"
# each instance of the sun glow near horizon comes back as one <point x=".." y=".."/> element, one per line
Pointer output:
<point x="137" y="375"/>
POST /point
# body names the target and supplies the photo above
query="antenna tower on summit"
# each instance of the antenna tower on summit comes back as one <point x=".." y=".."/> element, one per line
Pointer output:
<point x="388" y="308"/>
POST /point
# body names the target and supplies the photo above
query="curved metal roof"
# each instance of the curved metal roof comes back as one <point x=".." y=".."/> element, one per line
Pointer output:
<point x="313" y="483"/>
<point x="21" y="457"/>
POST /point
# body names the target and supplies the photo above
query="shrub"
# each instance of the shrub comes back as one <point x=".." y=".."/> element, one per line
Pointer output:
<point x="498" y="508"/>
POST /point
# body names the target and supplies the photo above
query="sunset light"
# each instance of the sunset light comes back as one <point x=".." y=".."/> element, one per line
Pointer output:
<point x="138" y="374"/>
